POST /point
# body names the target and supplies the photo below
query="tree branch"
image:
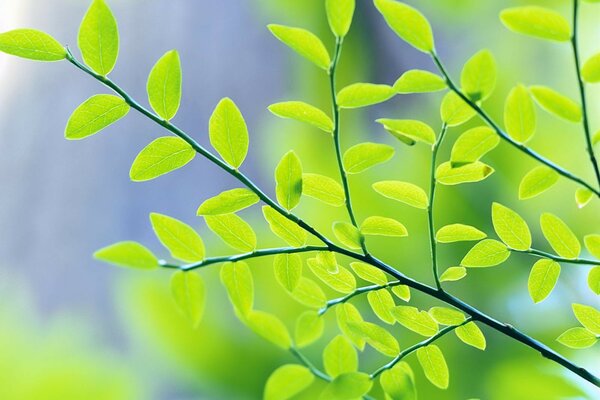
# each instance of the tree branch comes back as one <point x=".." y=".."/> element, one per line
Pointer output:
<point x="364" y="289"/>
<point x="543" y="254"/>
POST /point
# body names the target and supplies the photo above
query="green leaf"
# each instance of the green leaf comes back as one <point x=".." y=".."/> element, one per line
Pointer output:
<point x="339" y="357"/>
<point x="323" y="188"/>
<point x="288" y="270"/>
<point x="95" y="114"/>
<point x="363" y="156"/>
<point x="32" y="44"/>
<point x="542" y="279"/>
<point x="377" y="337"/>
<point x="419" y="81"/>
<point x="342" y="281"/>
<point x="473" y="144"/>
<point x="347" y="313"/>
<point x="270" y="328"/>
<point x="403" y="192"/>
<point x="402" y="292"/>
<point x="417" y="321"/>
<point x="536" y="182"/>
<point x="233" y="230"/>
<point x="592" y="243"/>
<point x="557" y="104"/>
<point x="309" y="328"/>
<point x="459" y="233"/>
<point x="471" y="334"/>
<point x="160" y="157"/>
<point x="399" y="382"/>
<point x="228" y="202"/>
<point x="303" y="112"/>
<point x="179" y="238"/>
<point x="364" y="94"/>
<point x="594" y="280"/>
<point x="237" y="279"/>
<point x="537" y="21"/>
<point x="348" y="235"/>
<point x="519" y="114"/>
<point x="382" y="226"/>
<point x="381" y="303"/>
<point x="578" y="338"/>
<point x="455" y="111"/>
<point x="164" y="85"/>
<point x="596" y="138"/>
<point x="99" y="38"/>
<point x="288" y="177"/>
<point x="446" y="316"/>
<point x="189" y="293"/>
<point x="487" y="253"/>
<point x="228" y="133"/>
<point x="453" y="274"/>
<point x="511" y="227"/>
<point x="287" y="381"/>
<point x="127" y="254"/>
<point x="478" y="77"/>
<point x="583" y="196"/>
<point x="308" y="293"/>
<point x="328" y="261"/>
<point x="353" y="385"/>
<point x="287" y="230"/>
<point x="412" y="130"/>
<point x="559" y="236"/>
<point x="469" y="173"/>
<point x="369" y="273"/>
<point x="591" y="69"/>
<point x="588" y="316"/>
<point x="434" y="365"/>
<point x="408" y="23"/>
<point x="339" y="15"/>
<point x="303" y="42"/>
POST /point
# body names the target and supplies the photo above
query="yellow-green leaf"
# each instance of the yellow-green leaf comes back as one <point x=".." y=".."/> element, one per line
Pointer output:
<point x="381" y="303"/>
<point x="95" y="114"/>
<point x="591" y="69"/>
<point x="478" y="77"/>
<point x="402" y="292"/>
<point x="228" y="202"/>
<point x="303" y="42"/>
<point x="307" y="292"/>
<point x="363" y="156"/>
<point x="446" y="316"/>
<point x="487" y="253"/>
<point x="127" y="254"/>
<point x="471" y="334"/>
<point x="352" y="385"/>
<point x="453" y="274"/>
<point x="342" y="281"/>
<point x="382" y="226"/>
<point x="594" y="280"/>
<point x="233" y="230"/>
<point x="328" y="261"/>
<point x="542" y="279"/>
<point x="592" y="243"/>
<point x="557" y="104"/>
<point x="455" y="111"/>
<point x="309" y="328"/>
<point x="458" y="233"/>
<point x="412" y="130"/>
<point x="588" y="316"/>
<point x="408" y="23"/>
<point x="434" y="365"/>
<point x="377" y="337"/>
<point x="270" y="328"/>
<point x="417" y="321"/>
<point x="348" y="235"/>
<point x="511" y="227"/>
<point x="469" y="173"/>
<point x="399" y="382"/>
<point x="163" y="155"/>
<point x="323" y="188"/>
<point x="339" y="357"/>
<point x="237" y="280"/>
<point x="536" y="182"/>
<point x="32" y="44"/>
<point x="339" y="15"/>
<point x="473" y="144"/>
<point x="519" y="114"/>
<point x="98" y="38"/>
<point x="228" y="132"/>
<point x="583" y="196"/>
<point x="287" y="381"/>
<point x="364" y="94"/>
<point x="369" y="273"/>
<point x="179" y="238"/>
<point x="303" y="112"/>
<point x="537" y="21"/>
<point x="578" y="338"/>
<point x="419" y="81"/>
<point x="560" y="236"/>
<point x="347" y="313"/>
<point x="288" y="177"/>
<point x="164" y="85"/>
<point x="287" y="230"/>
<point x="189" y="293"/>
<point x="288" y="270"/>
<point x="404" y="192"/>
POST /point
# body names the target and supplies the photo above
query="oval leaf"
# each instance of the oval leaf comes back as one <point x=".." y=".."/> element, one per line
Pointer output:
<point x="127" y="254"/>
<point x="32" y="44"/>
<point x="342" y="281"/>
<point x="557" y="104"/>
<point x="233" y="230"/>
<point x="303" y="112"/>
<point x="352" y="385"/>
<point x="377" y="337"/>
<point x="519" y="114"/>
<point x="478" y="78"/>
<point x="287" y="230"/>
<point x="560" y="236"/>
<point x="453" y="274"/>
<point x="542" y="279"/>
<point x="413" y="130"/>
<point x="160" y="157"/>
<point x="270" y="328"/>
<point x="164" y="85"/>
<point x="369" y="273"/>
<point x="404" y="192"/>
<point x="469" y="173"/>
<point x="324" y="189"/>
<point x="95" y="114"/>
<point x="99" y="38"/>
<point x="434" y="365"/>
<point x="419" y="81"/>
<point x="339" y="15"/>
<point x="471" y="334"/>
<point x="288" y="270"/>
<point x="381" y="303"/>
<point x="408" y="23"/>
<point x="455" y="111"/>
<point x="237" y="280"/>
<point x="228" y="133"/>
<point x="364" y="94"/>
<point x="417" y="321"/>
<point x="363" y="156"/>
<point x="592" y="243"/>
<point x="578" y="338"/>
<point x="303" y="42"/>
<point x="287" y="381"/>
<point x="339" y="357"/>
<point x="473" y="144"/>
<point x="487" y="253"/>
<point x="381" y="226"/>
<point x="348" y="235"/>
<point x="288" y="179"/>
<point x="588" y="316"/>
<point x="309" y="328"/>
<point x="591" y="69"/>
<point x="511" y="227"/>
<point x="594" y="280"/>
<point x="309" y="294"/>
<point x="399" y="382"/>
<point x="228" y="202"/>
<point x="179" y="238"/>
<point x="459" y="233"/>
<point x="189" y="293"/>
<point x="537" y="21"/>
<point x="536" y="182"/>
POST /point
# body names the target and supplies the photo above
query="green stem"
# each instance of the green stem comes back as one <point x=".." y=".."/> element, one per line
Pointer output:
<point x="581" y="84"/>
<point x="416" y="347"/>
<point x="364" y="289"/>
<point x="543" y="254"/>
<point x="488" y="120"/>
<point x="315" y="371"/>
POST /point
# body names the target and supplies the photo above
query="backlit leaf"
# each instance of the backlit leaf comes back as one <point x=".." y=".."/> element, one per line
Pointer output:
<point x="471" y="334"/>
<point x="473" y="144"/>
<point x="592" y="243"/>
<point x="345" y="314"/>
<point x="237" y="280"/>
<point x="455" y="111"/>
<point x="412" y="129"/>
<point x="352" y="385"/>
<point x="323" y="188"/>
<point x="228" y="202"/>
<point x="305" y="43"/>
<point x="179" y="238"/>
<point x="95" y="114"/>
<point x="382" y="226"/>
<point x="127" y="254"/>
<point x="542" y="279"/>
<point x="469" y="173"/>
<point x="458" y="233"/>
<point x="303" y="112"/>
<point x="594" y="280"/>
<point x="377" y="337"/>
<point x="536" y="182"/>
<point x="233" y="230"/>
<point x="560" y="236"/>
<point x="309" y="328"/>
<point x="327" y="260"/>
<point x="419" y="81"/>
<point x="399" y="382"/>
<point x="270" y="328"/>
<point x="519" y="114"/>
<point x="447" y="316"/>
<point x="381" y="303"/>
<point x="591" y="69"/>
<point x="557" y="104"/>
<point x="228" y="133"/>
<point x="417" y="321"/>
<point x="164" y="85"/>
<point x="478" y="78"/>
<point x="339" y="15"/>
<point x="364" y="94"/>
<point x="583" y="196"/>
<point x="339" y="357"/>
<point x="434" y="365"/>
<point x="288" y="270"/>
<point x="287" y="381"/>
<point x="348" y="235"/>
<point x="342" y="281"/>
<point x="363" y="156"/>
<point x="453" y="274"/>
<point x="487" y="253"/>
<point x="588" y="316"/>
<point x="32" y="44"/>
<point x="404" y="192"/>
<point x="288" y="176"/>
<point x="309" y="293"/>
<point x="99" y="38"/>
<point x="402" y="292"/>
<point x="369" y="273"/>
<point x="511" y="227"/>
<point x="578" y="338"/>
<point x="408" y="23"/>
<point x="287" y="230"/>
<point x="163" y="155"/>
<point x="189" y="293"/>
<point x="537" y="21"/>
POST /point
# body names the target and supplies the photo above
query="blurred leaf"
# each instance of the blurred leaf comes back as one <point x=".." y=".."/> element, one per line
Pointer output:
<point x="363" y="156"/>
<point x="233" y="230"/>
<point x="478" y="77"/>
<point x="342" y="281"/>
<point x="32" y="44"/>
<point x="99" y="38"/>
<point x="189" y="293"/>
<point x="323" y="188"/>
<point x="95" y="114"/>
<point x="288" y="176"/>
<point x="347" y="313"/>
<point x="228" y="202"/>
<point x="591" y="69"/>
<point x="127" y="254"/>
<point x="473" y="144"/>
<point x="469" y="173"/>
<point x="519" y="114"/>
<point x="542" y="279"/>
<point x="160" y="157"/>
<point x="369" y="273"/>
<point x="339" y="357"/>
<point x="309" y="328"/>
<point x="592" y="243"/>
<point x="419" y="81"/>
<point x="383" y="226"/>
<point x="559" y="236"/>
<point x="285" y="229"/>
<point x="228" y="133"/>
<point x="164" y="85"/>
<point x="381" y="303"/>
<point x="348" y="235"/>
<point x="308" y="293"/>
<point x="303" y="42"/>
<point x="511" y="227"/>
<point x="537" y="21"/>
<point x="402" y="292"/>
<point x="270" y="328"/>
<point x="364" y="94"/>
<point x="453" y="274"/>
<point x="412" y="129"/>
<point x="458" y="233"/>
<point x="237" y="279"/>
<point x="434" y="365"/>
<point x="594" y="280"/>
<point x="399" y="382"/>
<point x="583" y="196"/>
<point x="536" y="182"/>
<point x="417" y="321"/>
<point x="455" y="111"/>
<point x="403" y="192"/>
<point x="446" y="316"/>
<point x="471" y="334"/>
<point x="487" y="253"/>
<point x="288" y="270"/>
<point x="588" y="316"/>
<point x="377" y="337"/>
<point x="179" y="238"/>
<point x="578" y="338"/>
<point x="303" y="112"/>
<point x="352" y="385"/>
<point x="557" y="104"/>
<point x="287" y="381"/>
<point x="408" y="23"/>
<point x="339" y="15"/>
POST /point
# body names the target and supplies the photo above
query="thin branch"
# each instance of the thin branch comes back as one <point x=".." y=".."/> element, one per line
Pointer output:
<point x="543" y="254"/>
<point x="364" y="289"/>
<point x="315" y="371"/>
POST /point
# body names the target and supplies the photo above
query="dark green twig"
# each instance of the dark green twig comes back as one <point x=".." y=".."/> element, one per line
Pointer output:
<point x="364" y="289"/>
<point x="315" y="371"/>
<point x="543" y="254"/>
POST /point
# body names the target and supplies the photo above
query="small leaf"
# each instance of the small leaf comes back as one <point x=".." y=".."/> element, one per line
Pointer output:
<point x="323" y="188"/>
<point x="287" y="381"/>
<point x="559" y="236"/>
<point x="588" y="316"/>
<point x="228" y="202"/>
<point x="473" y="144"/>
<point x="536" y="182"/>
<point x="228" y="133"/>
<point x="288" y="270"/>
<point x="455" y="111"/>
<point x="339" y="15"/>
<point x="342" y="281"/>
<point x="519" y="114"/>
<point x="591" y="69"/>
<point x="446" y="316"/>
<point x="189" y="293"/>
<point x="288" y="176"/>
<point x="471" y="334"/>
<point x="453" y="274"/>
<point x="339" y="357"/>
<point x="592" y="243"/>
<point x="369" y="273"/>
<point x="308" y="293"/>
<point x="287" y="230"/>
<point x="404" y="192"/>
<point x="233" y="230"/>
<point x="364" y="94"/>
<point x="179" y="238"/>
<point x="309" y="328"/>
<point x="542" y="279"/>
<point x="127" y="254"/>
<point x="381" y="226"/>
<point x="487" y="253"/>
<point x="99" y="38"/>
<point x="303" y="112"/>
<point x="583" y="196"/>
<point x="237" y="279"/>
<point x="399" y="382"/>
<point x="594" y="280"/>
<point x="478" y="78"/>
<point x="328" y="261"/>
<point x="557" y="104"/>
<point x="348" y="235"/>
<point x="417" y="321"/>
<point x="95" y="114"/>
<point x="402" y="292"/>
<point x="381" y="303"/>
<point x="419" y="81"/>
<point x="408" y="23"/>
<point x="164" y="85"/>
<point x="537" y="21"/>
<point x="353" y="385"/>
<point x="434" y="365"/>
<point x="413" y="130"/>
<point x="163" y="155"/>
<point x="347" y="313"/>
<point x="363" y="156"/>
<point x="578" y="338"/>
<point x="303" y="42"/>
<point x="377" y="337"/>
<point x="469" y="173"/>
<point x="32" y="44"/>
<point x="459" y="233"/>
<point x="270" y="328"/>
<point x="511" y="227"/>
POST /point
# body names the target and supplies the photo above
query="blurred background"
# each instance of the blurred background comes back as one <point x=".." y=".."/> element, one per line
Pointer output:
<point x="71" y="328"/>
